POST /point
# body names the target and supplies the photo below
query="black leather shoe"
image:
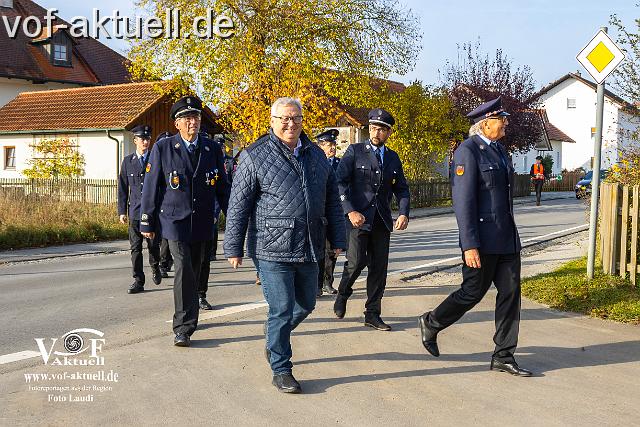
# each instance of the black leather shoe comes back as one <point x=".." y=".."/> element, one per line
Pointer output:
<point x="340" y="307"/>
<point x="374" y="321"/>
<point x="182" y="340"/>
<point x="164" y="272"/>
<point x="157" y="276"/>
<point x="286" y="383"/>
<point x="429" y="336"/>
<point x="330" y="290"/>
<point x="204" y="304"/>
<point x="509" y="367"/>
<point x="135" y="288"/>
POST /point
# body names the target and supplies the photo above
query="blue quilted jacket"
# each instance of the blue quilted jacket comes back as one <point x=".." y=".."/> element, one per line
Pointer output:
<point x="286" y="207"/>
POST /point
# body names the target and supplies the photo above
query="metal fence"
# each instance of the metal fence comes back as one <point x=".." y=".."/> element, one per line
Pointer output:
<point x="63" y="189"/>
<point x="619" y="229"/>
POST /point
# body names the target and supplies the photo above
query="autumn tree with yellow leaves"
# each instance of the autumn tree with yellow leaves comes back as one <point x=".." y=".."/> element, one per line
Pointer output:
<point x="55" y="158"/>
<point x="325" y="52"/>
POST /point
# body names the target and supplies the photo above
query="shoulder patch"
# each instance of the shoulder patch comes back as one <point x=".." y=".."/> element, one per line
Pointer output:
<point x="459" y="170"/>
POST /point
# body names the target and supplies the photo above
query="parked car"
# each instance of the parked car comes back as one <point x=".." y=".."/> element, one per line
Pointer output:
<point x="583" y="187"/>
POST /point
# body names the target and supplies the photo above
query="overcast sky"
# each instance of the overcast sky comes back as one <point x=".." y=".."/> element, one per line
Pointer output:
<point x="544" y="34"/>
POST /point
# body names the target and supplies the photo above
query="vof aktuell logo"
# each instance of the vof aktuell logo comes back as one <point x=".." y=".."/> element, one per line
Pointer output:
<point x="81" y="347"/>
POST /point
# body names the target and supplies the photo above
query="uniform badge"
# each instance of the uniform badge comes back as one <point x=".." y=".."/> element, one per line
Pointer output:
<point x="213" y="182"/>
<point x="177" y="145"/>
<point x="343" y="197"/>
<point x="459" y="170"/>
<point x="144" y="217"/>
<point x="148" y="167"/>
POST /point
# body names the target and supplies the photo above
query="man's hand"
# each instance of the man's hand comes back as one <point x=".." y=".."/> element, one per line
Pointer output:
<point x="149" y="235"/>
<point x="337" y="252"/>
<point x="402" y="222"/>
<point x="235" y="261"/>
<point x="123" y="219"/>
<point x="356" y="218"/>
<point x="472" y="258"/>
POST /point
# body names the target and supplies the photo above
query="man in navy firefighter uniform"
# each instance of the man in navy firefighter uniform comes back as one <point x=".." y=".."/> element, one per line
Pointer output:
<point x="326" y="266"/>
<point x="185" y="179"/>
<point x="368" y="175"/>
<point x="130" y="186"/>
<point x="482" y="182"/>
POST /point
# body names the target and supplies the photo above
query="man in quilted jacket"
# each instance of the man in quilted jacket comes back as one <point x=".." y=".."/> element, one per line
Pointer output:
<point x="284" y="198"/>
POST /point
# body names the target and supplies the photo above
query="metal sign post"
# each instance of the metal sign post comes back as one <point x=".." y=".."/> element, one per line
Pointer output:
<point x="600" y="57"/>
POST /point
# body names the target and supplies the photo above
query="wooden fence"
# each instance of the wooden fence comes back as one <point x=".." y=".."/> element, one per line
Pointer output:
<point x="619" y="222"/>
<point x="429" y="192"/>
<point x="64" y="189"/>
<point x="567" y="182"/>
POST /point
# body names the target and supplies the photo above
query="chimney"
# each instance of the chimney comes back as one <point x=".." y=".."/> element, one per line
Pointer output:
<point x="6" y="3"/>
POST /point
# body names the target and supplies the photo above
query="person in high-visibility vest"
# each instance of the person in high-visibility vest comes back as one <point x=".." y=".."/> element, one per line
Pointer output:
<point x="538" y="176"/>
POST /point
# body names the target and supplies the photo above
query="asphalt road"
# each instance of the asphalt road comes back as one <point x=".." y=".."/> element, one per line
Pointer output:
<point x="50" y="297"/>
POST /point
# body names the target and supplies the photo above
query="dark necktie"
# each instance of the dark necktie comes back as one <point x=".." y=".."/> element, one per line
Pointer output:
<point x="379" y="158"/>
<point x="142" y="161"/>
<point x="191" y="148"/>
<point x="495" y="148"/>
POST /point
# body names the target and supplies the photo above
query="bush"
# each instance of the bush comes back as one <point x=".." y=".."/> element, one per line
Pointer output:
<point x="627" y="171"/>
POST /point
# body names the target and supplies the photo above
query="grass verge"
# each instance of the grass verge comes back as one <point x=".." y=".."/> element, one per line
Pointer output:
<point x="35" y="222"/>
<point x="567" y="288"/>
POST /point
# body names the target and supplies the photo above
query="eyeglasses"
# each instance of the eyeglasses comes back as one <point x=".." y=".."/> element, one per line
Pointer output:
<point x="287" y="119"/>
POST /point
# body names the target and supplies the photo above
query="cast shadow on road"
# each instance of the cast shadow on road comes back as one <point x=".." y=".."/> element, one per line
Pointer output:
<point x="541" y="360"/>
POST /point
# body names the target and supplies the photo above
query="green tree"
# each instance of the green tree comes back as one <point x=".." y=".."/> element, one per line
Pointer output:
<point x="427" y="124"/>
<point x="547" y="164"/>
<point x="55" y="158"/>
<point x="324" y="52"/>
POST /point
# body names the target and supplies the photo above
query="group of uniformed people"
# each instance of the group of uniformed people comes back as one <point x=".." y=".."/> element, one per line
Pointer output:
<point x="174" y="193"/>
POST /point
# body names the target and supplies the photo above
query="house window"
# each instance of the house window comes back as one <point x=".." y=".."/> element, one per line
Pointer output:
<point x="60" y="55"/>
<point x="571" y="103"/>
<point x="9" y="157"/>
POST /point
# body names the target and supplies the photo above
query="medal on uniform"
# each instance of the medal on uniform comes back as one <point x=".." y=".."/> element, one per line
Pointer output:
<point x="148" y="167"/>
<point x="459" y="170"/>
<point x="174" y="180"/>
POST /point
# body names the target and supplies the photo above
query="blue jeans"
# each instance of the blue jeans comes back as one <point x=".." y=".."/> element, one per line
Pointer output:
<point x="290" y="291"/>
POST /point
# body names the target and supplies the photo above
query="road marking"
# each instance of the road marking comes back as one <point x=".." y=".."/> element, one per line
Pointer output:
<point x="458" y="258"/>
<point x="230" y="310"/>
<point x="555" y="233"/>
<point x="28" y="354"/>
<point x="16" y="357"/>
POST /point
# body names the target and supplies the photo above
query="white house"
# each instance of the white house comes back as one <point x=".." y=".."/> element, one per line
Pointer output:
<point x="570" y="103"/>
<point x="52" y="60"/>
<point x="95" y="119"/>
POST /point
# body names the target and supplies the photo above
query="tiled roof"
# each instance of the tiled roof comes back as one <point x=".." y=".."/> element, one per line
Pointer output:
<point x="556" y="134"/>
<point x="93" y="63"/>
<point x="97" y="107"/>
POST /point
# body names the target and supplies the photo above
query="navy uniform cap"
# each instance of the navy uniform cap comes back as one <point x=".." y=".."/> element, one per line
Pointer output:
<point x="143" y="131"/>
<point x="381" y="117"/>
<point x="186" y="105"/>
<point x="163" y="135"/>
<point x="330" y="135"/>
<point x="489" y="109"/>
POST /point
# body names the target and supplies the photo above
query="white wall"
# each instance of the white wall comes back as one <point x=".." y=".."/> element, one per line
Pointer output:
<point x="522" y="161"/>
<point x="99" y="153"/>
<point x="577" y="123"/>
<point x="10" y="88"/>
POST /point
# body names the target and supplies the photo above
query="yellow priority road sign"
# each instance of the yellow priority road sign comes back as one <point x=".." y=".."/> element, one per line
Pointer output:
<point x="600" y="57"/>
